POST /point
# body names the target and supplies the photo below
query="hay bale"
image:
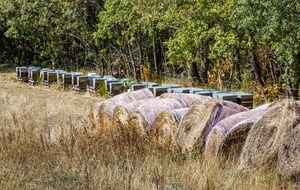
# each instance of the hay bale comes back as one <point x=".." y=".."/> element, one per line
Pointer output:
<point x="288" y="164"/>
<point x="141" y="121"/>
<point x="213" y="140"/>
<point x="235" y="106"/>
<point x="120" y="99"/>
<point x="187" y="98"/>
<point x="105" y="114"/>
<point x="266" y="136"/>
<point x="121" y="113"/>
<point x="166" y="127"/>
<point x="94" y="114"/>
<point x="223" y="127"/>
<point x="189" y="120"/>
<point x="228" y="125"/>
<point x="196" y="126"/>
<point x="229" y="150"/>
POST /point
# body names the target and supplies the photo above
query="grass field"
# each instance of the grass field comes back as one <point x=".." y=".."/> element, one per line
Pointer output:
<point x="46" y="142"/>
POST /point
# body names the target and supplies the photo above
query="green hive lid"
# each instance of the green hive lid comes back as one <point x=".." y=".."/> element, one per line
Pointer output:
<point x="227" y="96"/>
<point x="193" y="90"/>
<point x="171" y="85"/>
<point x="204" y="93"/>
<point x="179" y="90"/>
<point x="243" y="94"/>
<point x="217" y="92"/>
<point x="137" y="86"/>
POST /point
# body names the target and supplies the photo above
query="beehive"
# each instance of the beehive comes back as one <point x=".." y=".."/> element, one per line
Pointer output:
<point x="228" y="97"/>
<point x="30" y="69"/>
<point x="108" y="81"/>
<point x="157" y="91"/>
<point x="217" y="92"/>
<point x="23" y="74"/>
<point x="17" y="71"/>
<point x="244" y="99"/>
<point x="115" y="88"/>
<point x="59" y="74"/>
<point x="51" y="78"/>
<point x="97" y="83"/>
<point x="204" y="93"/>
<point x="137" y="86"/>
<point x="171" y="85"/>
<point x="43" y="74"/>
<point x="82" y="82"/>
<point x="194" y="90"/>
<point x="91" y="79"/>
<point x="66" y="79"/>
<point x="33" y="76"/>
<point x="74" y="77"/>
<point x="179" y="90"/>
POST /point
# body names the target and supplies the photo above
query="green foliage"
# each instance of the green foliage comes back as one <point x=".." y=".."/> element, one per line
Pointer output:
<point x="58" y="33"/>
<point x="102" y="90"/>
<point x="122" y="37"/>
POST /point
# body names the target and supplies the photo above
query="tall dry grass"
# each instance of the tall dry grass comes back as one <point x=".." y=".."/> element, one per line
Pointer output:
<point x="46" y="142"/>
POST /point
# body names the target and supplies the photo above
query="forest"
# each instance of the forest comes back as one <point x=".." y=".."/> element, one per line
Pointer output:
<point x="251" y="43"/>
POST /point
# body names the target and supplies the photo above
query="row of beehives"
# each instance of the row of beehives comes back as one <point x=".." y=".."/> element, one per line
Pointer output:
<point x="94" y="83"/>
<point x="224" y="131"/>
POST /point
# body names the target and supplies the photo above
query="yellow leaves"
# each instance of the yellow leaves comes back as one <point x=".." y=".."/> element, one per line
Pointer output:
<point x="218" y="73"/>
<point x="269" y="93"/>
<point x="146" y="74"/>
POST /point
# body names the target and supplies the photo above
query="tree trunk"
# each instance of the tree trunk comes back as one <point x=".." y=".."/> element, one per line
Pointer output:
<point x="255" y="63"/>
<point x="134" y="67"/>
<point x="295" y="91"/>
<point x="206" y="61"/>
<point x="237" y="62"/>
<point x="154" y="51"/>
<point x="195" y="73"/>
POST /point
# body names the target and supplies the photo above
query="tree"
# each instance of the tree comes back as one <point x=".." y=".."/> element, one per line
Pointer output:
<point x="54" y="33"/>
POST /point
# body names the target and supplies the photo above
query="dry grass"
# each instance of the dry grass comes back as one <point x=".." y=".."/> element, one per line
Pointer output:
<point x="46" y="142"/>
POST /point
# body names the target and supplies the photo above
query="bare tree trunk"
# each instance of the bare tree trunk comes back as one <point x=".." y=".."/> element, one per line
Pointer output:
<point x="255" y="63"/>
<point x="140" y="50"/>
<point x="195" y="73"/>
<point x="131" y="57"/>
<point x="154" y="52"/>
<point x="295" y="91"/>
<point x="236" y="63"/>
<point x="206" y="61"/>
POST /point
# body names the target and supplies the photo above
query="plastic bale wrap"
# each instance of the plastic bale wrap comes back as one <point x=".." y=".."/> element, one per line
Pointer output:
<point x="121" y="114"/>
<point x="223" y="127"/>
<point x="230" y="147"/>
<point x="232" y="105"/>
<point x="266" y="136"/>
<point x="141" y="120"/>
<point x="187" y="98"/>
<point x="193" y="133"/>
<point x="166" y="128"/>
<point x="189" y="120"/>
<point x="288" y="164"/>
<point x="120" y="99"/>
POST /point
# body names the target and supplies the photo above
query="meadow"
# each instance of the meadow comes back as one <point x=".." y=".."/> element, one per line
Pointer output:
<point x="48" y="142"/>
